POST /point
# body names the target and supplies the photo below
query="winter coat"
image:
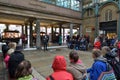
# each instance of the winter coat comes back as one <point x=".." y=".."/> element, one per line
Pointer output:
<point x="97" y="45"/>
<point x="78" y="70"/>
<point x="6" y="60"/>
<point x="59" y="67"/>
<point x="10" y="51"/>
<point x="14" y="60"/>
<point x="110" y="55"/>
<point x="29" y="77"/>
<point x="97" y="68"/>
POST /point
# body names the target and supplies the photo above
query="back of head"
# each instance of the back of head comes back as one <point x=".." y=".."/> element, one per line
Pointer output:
<point x="59" y="63"/>
<point x="12" y="45"/>
<point x="105" y="50"/>
<point x="96" y="53"/>
<point x="74" y="56"/>
<point x="5" y="49"/>
<point x="23" y="69"/>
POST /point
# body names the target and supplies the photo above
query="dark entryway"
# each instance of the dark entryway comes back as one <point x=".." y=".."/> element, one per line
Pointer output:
<point x="110" y="26"/>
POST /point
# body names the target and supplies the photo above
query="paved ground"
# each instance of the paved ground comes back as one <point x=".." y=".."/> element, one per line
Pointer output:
<point x="41" y="61"/>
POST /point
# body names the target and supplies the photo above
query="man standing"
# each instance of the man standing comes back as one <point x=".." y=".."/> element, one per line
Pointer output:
<point x="45" y="41"/>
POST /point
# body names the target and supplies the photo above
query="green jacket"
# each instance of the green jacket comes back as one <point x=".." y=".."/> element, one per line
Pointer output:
<point x="30" y="77"/>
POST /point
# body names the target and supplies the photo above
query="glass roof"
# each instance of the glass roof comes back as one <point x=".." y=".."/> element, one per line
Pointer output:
<point x="71" y="4"/>
<point x="94" y="1"/>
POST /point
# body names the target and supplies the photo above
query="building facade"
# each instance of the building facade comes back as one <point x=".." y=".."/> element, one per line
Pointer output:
<point x="101" y="17"/>
<point x="92" y="17"/>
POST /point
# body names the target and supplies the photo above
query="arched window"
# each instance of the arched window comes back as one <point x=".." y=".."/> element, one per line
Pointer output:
<point x="108" y="15"/>
<point x="89" y="12"/>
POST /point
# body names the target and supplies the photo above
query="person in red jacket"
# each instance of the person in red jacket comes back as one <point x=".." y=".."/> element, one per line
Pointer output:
<point x="97" y="44"/>
<point x="59" y="68"/>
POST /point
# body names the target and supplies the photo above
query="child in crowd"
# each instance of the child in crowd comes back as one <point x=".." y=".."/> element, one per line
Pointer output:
<point x="24" y="71"/>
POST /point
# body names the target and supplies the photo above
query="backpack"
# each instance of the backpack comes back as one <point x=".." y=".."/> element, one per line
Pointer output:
<point x="107" y="75"/>
<point x="116" y="67"/>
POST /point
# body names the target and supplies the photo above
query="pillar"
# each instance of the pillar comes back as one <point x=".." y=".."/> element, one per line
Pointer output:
<point x="7" y="26"/>
<point x="60" y="29"/>
<point x="26" y="27"/>
<point x="118" y="32"/>
<point x="52" y="33"/>
<point x="31" y="32"/>
<point x="38" y="39"/>
<point x="96" y="20"/>
<point x="22" y="29"/>
<point x="46" y="29"/>
<point x="80" y="30"/>
<point x="71" y="30"/>
<point x="63" y="35"/>
<point x="55" y="29"/>
<point x="81" y="7"/>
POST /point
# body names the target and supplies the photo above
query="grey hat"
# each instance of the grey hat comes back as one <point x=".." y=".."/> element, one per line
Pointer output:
<point x="19" y="48"/>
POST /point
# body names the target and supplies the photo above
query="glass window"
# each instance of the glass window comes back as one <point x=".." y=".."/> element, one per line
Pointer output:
<point x="108" y="15"/>
<point x="89" y="12"/>
<point x="72" y="4"/>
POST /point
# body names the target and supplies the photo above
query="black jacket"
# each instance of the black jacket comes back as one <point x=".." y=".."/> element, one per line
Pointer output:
<point x="14" y="60"/>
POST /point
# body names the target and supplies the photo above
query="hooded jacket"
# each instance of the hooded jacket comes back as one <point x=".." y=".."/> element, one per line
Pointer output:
<point x="78" y="70"/>
<point x="97" y="68"/>
<point x="97" y="45"/>
<point x="59" y="68"/>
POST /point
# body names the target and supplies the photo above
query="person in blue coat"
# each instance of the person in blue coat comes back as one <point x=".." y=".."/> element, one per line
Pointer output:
<point x="98" y="66"/>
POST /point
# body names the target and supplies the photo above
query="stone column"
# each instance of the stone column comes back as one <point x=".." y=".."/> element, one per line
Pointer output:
<point x="71" y="30"/>
<point x="52" y="33"/>
<point x="80" y="30"/>
<point x="31" y="32"/>
<point x="26" y="25"/>
<point x="22" y="29"/>
<point x="63" y="35"/>
<point x="81" y="7"/>
<point x="96" y="20"/>
<point x="118" y="28"/>
<point x="7" y="26"/>
<point x="60" y="29"/>
<point x="46" y="29"/>
<point x="55" y="29"/>
<point x="38" y="39"/>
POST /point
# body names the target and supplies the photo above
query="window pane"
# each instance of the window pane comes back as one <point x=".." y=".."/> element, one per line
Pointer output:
<point x="72" y="4"/>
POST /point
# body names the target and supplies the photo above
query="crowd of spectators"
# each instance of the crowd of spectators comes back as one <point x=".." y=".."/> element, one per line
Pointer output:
<point x="105" y="63"/>
<point x="78" y="43"/>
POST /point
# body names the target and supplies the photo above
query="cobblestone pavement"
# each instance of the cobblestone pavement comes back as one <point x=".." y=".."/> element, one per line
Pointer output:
<point x="42" y="61"/>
